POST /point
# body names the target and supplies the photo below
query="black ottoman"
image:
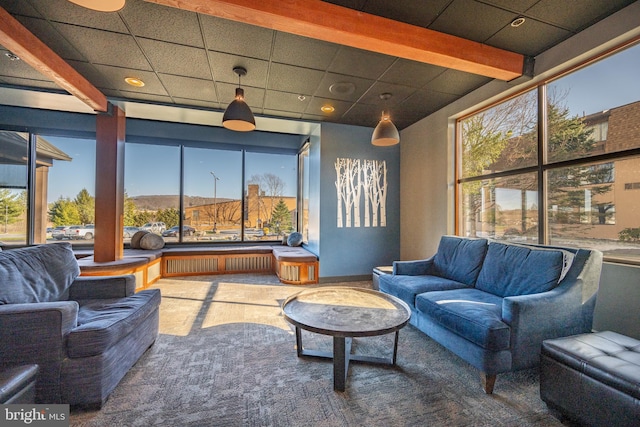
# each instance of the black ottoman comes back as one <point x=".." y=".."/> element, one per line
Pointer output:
<point x="592" y="378"/>
<point x="18" y="384"/>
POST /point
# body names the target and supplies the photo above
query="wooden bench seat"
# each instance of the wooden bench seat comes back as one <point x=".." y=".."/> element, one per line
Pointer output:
<point x="292" y="265"/>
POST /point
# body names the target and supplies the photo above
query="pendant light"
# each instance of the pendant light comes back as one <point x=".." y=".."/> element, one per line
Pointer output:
<point x="385" y="133"/>
<point x="101" y="5"/>
<point x="238" y="115"/>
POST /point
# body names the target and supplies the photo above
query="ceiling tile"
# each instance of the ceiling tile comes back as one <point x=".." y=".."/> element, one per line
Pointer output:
<point x="188" y="87"/>
<point x="52" y="38"/>
<point x="315" y="104"/>
<point x="116" y="76"/>
<point x="303" y="52"/>
<point x="363" y="115"/>
<point x="20" y="7"/>
<point x="360" y="63"/>
<point x="93" y="74"/>
<point x="425" y="101"/>
<point x="171" y="58"/>
<point x="253" y="96"/>
<point x="398" y="94"/>
<point x="18" y="68"/>
<point x="512" y="5"/>
<point x="36" y="83"/>
<point x="472" y="20"/>
<point x="410" y="73"/>
<point x="574" y="17"/>
<point x="104" y="47"/>
<point x="531" y="38"/>
<point x="236" y="38"/>
<point x="222" y="65"/>
<point x="148" y="97"/>
<point x="408" y="11"/>
<point x="70" y="13"/>
<point x="157" y="22"/>
<point x="345" y="88"/>
<point x="196" y="103"/>
<point x="284" y="101"/>
<point x="287" y="78"/>
<point x="456" y="82"/>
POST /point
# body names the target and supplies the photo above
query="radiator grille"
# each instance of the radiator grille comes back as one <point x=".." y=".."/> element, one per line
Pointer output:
<point x="253" y="263"/>
<point x="192" y="265"/>
<point x="290" y="272"/>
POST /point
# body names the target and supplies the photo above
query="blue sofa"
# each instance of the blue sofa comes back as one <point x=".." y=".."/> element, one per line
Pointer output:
<point x="493" y="303"/>
<point x="84" y="333"/>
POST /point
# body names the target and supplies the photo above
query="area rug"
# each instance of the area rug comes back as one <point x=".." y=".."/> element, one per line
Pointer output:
<point x="226" y="357"/>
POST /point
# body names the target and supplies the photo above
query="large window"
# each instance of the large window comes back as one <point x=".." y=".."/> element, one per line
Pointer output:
<point x="212" y="189"/>
<point x="14" y="149"/>
<point x="194" y="194"/>
<point x="270" y="192"/>
<point x="584" y="168"/>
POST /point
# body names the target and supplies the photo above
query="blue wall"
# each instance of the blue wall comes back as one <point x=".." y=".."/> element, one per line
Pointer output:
<point x="351" y="251"/>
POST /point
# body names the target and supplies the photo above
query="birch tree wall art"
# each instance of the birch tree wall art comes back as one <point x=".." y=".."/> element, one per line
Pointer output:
<point x="361" y="187"/>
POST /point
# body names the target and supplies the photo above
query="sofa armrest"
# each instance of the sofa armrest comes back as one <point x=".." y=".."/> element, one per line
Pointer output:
<point x="557" y="312"/>
<point x="33" y="332"/>
<point x="413" y="268"/>
<point x="101" y="287"/>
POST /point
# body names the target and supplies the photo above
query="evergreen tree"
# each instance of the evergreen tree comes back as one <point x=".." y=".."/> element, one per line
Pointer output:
<point x="169" y="216"/>
<point x="86" y="205"/>
<point x="12" y="207"/>
<point x="64" y="212"/>
<point x="129" y="211"/>
<point x="281" y="218"/>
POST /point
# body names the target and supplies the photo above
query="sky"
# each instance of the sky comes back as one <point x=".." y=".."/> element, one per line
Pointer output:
<point x="152" y="170"/>
<point x="155" y="170"/>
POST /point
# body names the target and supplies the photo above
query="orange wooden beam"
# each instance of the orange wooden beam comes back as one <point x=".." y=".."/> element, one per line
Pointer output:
<point x="16" y="38"/>
<point x="110" y="137"/>
<point x="325" y="21"/>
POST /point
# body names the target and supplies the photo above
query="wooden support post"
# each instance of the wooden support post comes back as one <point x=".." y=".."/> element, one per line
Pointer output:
<point x="110" y="136"/>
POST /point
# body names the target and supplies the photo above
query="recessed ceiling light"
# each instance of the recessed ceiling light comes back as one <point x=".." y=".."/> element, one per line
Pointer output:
<point x="100" y="5"/>
<point x="342" y="88"/>
<point x="12" y="56"/>
<point x="133" y="81"/>
<point x="327" y="109"/>
<point x="517" y="22"/>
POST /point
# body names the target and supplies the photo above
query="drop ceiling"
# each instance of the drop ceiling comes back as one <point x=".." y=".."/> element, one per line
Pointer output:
<point x="187" y="58"/>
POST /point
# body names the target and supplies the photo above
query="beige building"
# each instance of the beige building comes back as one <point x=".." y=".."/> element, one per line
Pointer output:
<point x="228" y="214"/>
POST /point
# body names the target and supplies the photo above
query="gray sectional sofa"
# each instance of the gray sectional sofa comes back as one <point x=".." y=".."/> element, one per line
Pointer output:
<point x="84" y="333"/>
<point x="493" y="303"/>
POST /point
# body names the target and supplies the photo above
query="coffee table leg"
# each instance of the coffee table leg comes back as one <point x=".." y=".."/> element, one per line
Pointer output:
<point x="299" y="341"/>
<point x="395" y="348"/>
<point x="341" y="352"/>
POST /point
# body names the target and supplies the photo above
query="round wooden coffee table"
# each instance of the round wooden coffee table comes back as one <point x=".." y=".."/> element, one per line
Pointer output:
<point x="345" y="313"/>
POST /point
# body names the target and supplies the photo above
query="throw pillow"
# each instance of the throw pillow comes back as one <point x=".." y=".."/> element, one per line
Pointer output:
<point x="151" y="241"/>
<point x="294" y="239"/>
<point x="135" y="239"/>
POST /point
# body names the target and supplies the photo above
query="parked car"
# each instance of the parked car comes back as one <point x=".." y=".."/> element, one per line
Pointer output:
<point x="154" y="227"/>
<point x="81" y="232"/>
<point x="60" y="232"/>
<point x="173" y="231"/>
<point x="129" y="231"/>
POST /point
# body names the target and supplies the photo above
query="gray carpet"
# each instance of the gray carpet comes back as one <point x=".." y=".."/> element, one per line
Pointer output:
<point x="226" y="357"/>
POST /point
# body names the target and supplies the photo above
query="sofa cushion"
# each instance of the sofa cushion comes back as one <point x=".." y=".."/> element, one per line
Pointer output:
<point x="459" y="259"/>
<point x="407" y="287"/>
<point x="104" y="322"/>
<point x="37" y="274"/>
<point x="510" y="270"/>
<point x="294" y="239"/>
<point x="470" y="313"/>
